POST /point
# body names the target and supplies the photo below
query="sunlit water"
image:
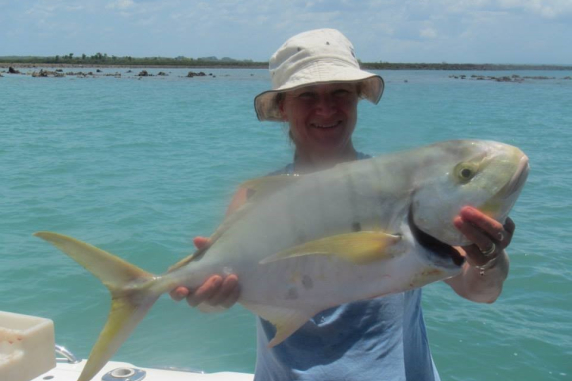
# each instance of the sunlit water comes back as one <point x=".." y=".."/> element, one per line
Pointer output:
<point x="140" y="166"/>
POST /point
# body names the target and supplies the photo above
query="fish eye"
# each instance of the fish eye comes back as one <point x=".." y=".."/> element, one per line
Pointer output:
<point x="465" y="171"/>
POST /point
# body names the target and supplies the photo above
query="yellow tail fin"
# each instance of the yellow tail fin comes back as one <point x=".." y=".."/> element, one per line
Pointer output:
<point x="132" y="295"/>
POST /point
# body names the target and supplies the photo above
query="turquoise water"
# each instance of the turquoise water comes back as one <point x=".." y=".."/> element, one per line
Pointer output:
<point x="139" y="167"/>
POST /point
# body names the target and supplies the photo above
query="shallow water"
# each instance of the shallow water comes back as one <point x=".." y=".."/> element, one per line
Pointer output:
<point x="140" y="166"/>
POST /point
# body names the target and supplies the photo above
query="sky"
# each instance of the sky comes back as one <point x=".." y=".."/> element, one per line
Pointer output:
<point x="430" y="31"/>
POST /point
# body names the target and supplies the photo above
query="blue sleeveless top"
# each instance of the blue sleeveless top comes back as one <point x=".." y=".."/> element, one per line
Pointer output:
<point x="377" y="339"/>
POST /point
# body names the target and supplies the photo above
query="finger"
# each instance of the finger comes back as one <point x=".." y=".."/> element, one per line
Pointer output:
<point x="498" y="233"/>
<point x="205" y="291"/>
<point x="473" y="234"/>
<point x="232" y="298"/>
<point x="201" y="242"/>
<point x="179" y="293"/>
<point x="224" y="292"/>
<point x="509" y="226"/>
<point x="474" y="256"/>
<point x="489" y="225"/>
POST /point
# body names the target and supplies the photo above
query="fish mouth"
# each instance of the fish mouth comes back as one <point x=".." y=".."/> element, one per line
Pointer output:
<point x="433" y="245"/>
<point x="517" y="180"/>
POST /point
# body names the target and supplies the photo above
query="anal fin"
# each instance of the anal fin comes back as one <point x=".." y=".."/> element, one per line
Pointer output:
<point x="286" y="320"/>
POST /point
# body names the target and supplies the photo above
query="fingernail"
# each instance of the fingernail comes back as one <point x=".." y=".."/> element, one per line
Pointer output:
<point x="470" y="209"/>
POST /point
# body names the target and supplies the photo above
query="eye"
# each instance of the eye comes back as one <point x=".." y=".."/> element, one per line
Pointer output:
<point x="464" y="172"/>
<point x="340" y="93"/>
<point x="307" y="95"/>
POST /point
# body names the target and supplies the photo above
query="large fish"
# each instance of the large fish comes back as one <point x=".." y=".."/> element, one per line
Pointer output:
<point x="302" y="244"/>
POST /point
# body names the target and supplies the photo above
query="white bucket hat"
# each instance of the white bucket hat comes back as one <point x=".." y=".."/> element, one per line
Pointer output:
<point x="314" y="57"/>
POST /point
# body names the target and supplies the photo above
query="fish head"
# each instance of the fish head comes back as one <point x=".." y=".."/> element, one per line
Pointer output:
<point x="487" y="175"/>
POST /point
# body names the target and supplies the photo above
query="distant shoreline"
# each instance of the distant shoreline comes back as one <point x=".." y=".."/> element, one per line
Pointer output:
<point x="263" y="65"/>
<point x="26" y="65"/>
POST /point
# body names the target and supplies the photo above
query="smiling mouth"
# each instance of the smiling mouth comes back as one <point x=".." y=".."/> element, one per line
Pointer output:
<point x="439" y="248"/>
<point x="327" y="126"/>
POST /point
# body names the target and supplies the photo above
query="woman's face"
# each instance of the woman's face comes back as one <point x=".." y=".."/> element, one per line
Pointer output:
<point x="322" y="117"/>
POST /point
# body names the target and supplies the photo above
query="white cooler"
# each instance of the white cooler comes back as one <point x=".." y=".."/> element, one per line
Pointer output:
<point x="26" y="346"/>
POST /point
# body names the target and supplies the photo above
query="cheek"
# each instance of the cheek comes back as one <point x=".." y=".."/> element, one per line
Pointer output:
<point x="296" y="118"/>
<point x="298" y="132"/>
<point x="293" y="112"/>
<point x="349" y="108"/>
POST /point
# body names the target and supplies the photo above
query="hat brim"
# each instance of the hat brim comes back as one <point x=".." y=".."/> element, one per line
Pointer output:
<point x="372" y="87"/>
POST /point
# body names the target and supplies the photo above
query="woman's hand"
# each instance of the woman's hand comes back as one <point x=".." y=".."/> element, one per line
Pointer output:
<point x="215" y="294"/>
<point x="486" y="268"/>
<point x="489" y="237"/>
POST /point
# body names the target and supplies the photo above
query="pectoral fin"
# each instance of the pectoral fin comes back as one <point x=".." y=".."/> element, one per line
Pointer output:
<point x="360" y="247"/>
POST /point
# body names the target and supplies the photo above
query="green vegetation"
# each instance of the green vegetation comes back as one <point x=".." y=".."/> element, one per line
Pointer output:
<point x="453" y="66"/>
<point x="100" y="59"/>
<point x="105" y="60"/>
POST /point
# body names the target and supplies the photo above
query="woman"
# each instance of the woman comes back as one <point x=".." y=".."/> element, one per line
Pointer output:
<point x="317" y="84"/>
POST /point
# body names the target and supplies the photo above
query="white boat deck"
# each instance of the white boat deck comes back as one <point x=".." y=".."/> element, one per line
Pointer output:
<point x="122" y="371"/>
<point x="27" y="348"/>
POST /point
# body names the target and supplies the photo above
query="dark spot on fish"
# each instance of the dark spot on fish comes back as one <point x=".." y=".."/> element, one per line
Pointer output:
<point x="299" y="49"/>
<point x="327" y="43"/>
<point x="307" y="282"/>
<point x="356" y="227"/>
<point x="292" y="294"/>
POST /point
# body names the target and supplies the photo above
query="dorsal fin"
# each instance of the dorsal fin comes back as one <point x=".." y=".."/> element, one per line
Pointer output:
<point x="256" y="189"/>
<point x="253" y="190"/>
<point x="264" y="186"/>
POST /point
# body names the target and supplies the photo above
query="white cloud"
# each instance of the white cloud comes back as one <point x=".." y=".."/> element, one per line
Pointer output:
<point x="41" y="10"/>
<point x="75" y="8"/>
<point x="389" y="30"/>
<point x="549" y="9"/>
<point x="428" y="33"/>
<point x="121" y="4"/>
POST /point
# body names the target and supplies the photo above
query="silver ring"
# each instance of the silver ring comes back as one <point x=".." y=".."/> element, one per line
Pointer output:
<point x="500" y="236"/>
<point x="490" y="251"/>
<point x="490" y="264"/>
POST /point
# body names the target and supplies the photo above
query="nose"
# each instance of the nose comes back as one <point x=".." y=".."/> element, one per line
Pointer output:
<point x="325" y="105"/>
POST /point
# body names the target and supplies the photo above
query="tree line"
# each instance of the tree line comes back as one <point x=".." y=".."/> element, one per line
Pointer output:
<point x="105" y="59"/>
